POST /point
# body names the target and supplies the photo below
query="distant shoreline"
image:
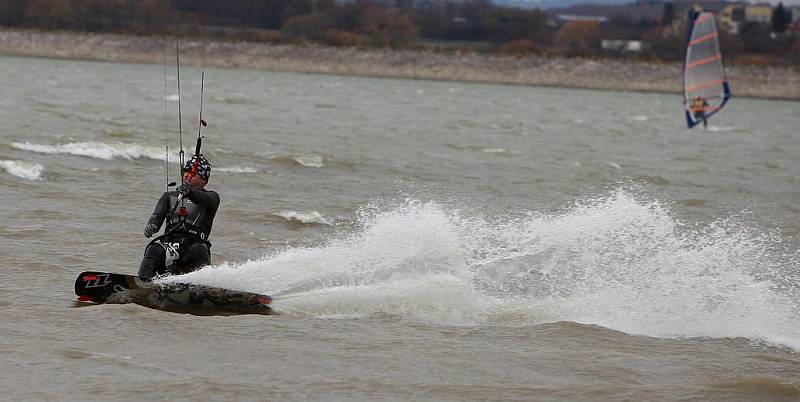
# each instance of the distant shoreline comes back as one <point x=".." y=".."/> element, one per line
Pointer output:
<point x="605" y="74"/>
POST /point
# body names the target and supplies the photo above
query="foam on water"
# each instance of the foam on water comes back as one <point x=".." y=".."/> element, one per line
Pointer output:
<point x="499" y="151"/>
<point x="305" y="160"/>
<point x="97" y="150"/>
<point x="237" y="169"/>
<point x="311" y="160"/>
<point x="719" y="129"/>
<point x="22" y="169"/>
<point x="312" y="217"/>
<point x="618" y="262"/>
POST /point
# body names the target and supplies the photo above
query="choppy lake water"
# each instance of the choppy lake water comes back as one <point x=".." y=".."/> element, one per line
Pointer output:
<point x="423" y="240"/>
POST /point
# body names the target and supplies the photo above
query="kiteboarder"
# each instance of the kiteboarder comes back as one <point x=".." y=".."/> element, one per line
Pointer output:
<point x="189" y="214"/>
<point x="698" y="107"/>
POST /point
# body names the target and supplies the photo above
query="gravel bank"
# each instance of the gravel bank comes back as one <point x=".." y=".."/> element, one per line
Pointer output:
<point x="613" y="74"/>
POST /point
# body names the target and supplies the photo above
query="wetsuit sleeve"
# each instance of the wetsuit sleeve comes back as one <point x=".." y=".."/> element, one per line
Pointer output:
<point x="206" y="199"/>
<point x="161" y="211"/>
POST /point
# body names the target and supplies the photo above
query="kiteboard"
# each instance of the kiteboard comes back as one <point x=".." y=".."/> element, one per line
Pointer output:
<point x="110" y="288"/>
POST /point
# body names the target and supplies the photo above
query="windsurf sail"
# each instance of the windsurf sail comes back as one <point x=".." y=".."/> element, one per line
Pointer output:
<point x="705" y="86"/>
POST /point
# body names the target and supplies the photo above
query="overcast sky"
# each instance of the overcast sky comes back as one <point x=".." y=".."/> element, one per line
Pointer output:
<point x="785" y="2"/>
<point x="774" y="2"/>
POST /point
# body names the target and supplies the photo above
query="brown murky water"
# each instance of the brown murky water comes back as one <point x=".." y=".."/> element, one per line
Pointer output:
<point x="422" y="240"/>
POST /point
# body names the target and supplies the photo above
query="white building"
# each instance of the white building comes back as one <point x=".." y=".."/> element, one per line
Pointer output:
<point x="621" y="45"/>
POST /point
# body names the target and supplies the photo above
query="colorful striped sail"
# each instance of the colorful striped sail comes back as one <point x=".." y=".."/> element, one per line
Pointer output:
<point x="704" y="80"/>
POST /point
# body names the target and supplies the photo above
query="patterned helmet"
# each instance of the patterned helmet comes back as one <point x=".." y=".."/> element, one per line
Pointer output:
<point x="203" y="166"/>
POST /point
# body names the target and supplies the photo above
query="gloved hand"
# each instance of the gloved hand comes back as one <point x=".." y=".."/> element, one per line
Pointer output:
<point x="184" y="188"/>
<point x="150" y="229"/>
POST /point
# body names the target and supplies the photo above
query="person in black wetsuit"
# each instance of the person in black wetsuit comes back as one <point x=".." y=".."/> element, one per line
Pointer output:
<point x="189" y="214"/>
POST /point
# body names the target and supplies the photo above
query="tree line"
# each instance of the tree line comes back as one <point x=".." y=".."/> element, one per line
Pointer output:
<point x="464" y="25"/>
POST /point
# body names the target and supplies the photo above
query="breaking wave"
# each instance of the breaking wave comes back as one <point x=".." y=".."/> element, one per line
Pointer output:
<point x="312" y="217"/>
<point x="237" y="169"/>
<point x="21" y="169"/>
<point x="97" y="150"/>
<point x="306" y="160"/>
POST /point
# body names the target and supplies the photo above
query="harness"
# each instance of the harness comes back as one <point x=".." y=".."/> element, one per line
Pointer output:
<point x="189" y="228"/>
<point x="181" y="230"/>
<point x="177" y="239"/>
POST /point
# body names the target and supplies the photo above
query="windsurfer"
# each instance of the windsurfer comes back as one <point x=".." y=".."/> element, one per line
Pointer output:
<point x="189" y="214"/>
<point x="698" y="107"/>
